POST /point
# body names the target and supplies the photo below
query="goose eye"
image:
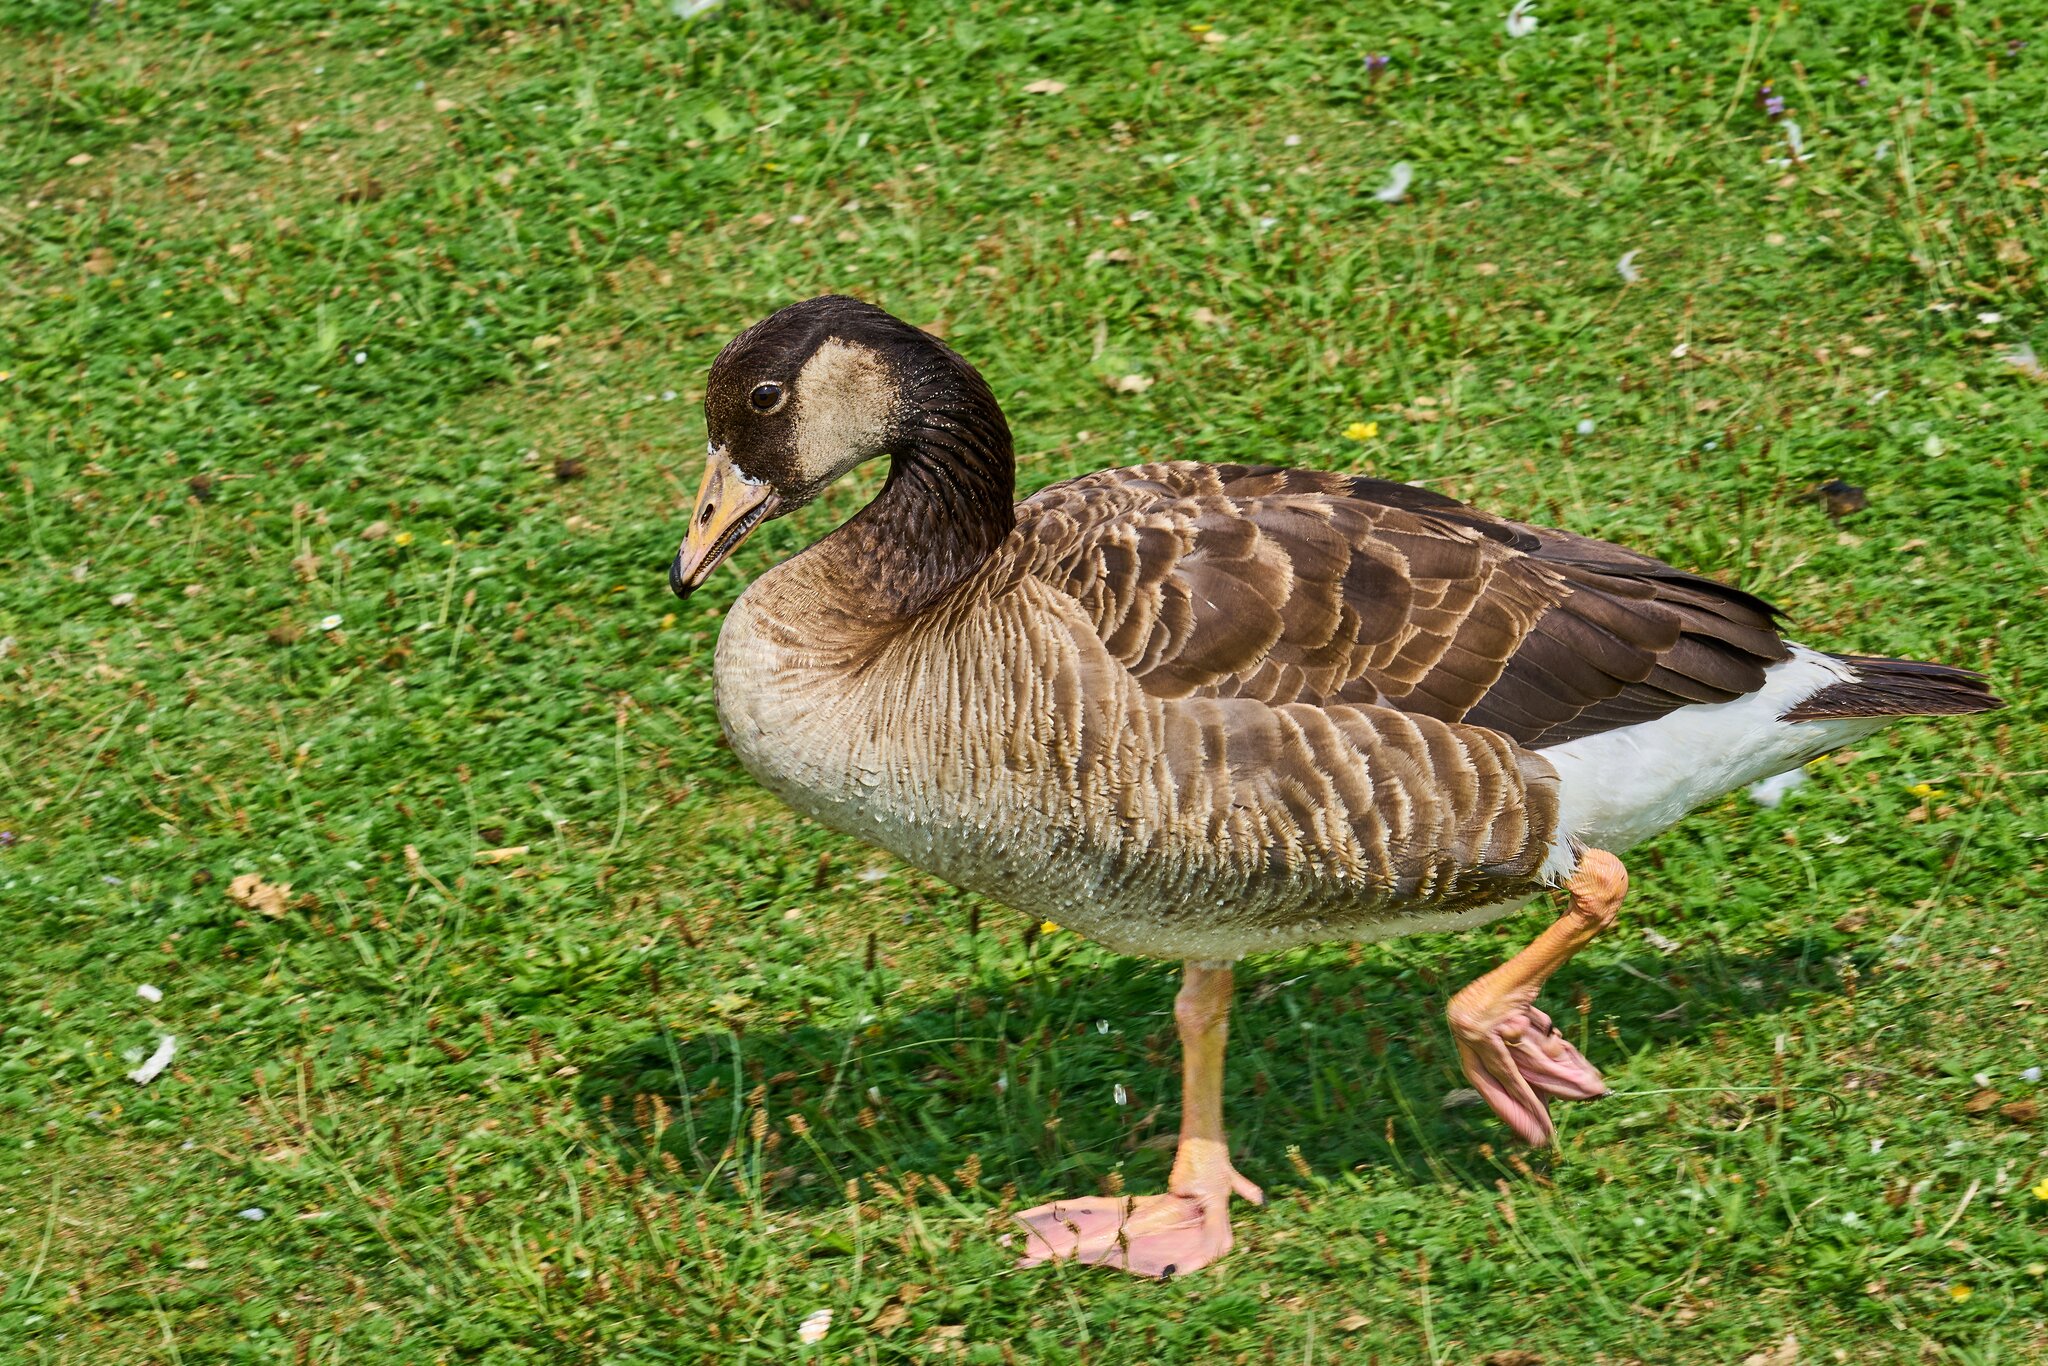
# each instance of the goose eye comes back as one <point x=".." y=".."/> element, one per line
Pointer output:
<point x="766" y="398"/>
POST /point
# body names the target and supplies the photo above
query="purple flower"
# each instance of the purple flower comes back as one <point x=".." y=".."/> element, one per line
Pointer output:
<point x="1863" y="82"/>
<point x="1774" y="106"/>
<point x="2013" y="46"/>
<point x="1375" y="63"/>
<point x="7" y="838"/>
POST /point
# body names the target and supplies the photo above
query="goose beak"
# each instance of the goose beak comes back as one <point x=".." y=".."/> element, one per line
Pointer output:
<point x="729" y="507"/>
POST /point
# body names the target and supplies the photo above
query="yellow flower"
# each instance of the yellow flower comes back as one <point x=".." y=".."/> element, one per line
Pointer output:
<point x="1361" y="431"/>
<point x="1048" y="927"/>
<point x="2037" y="1268"/>
<point x="668" y="621"/>
<point x="1959" y="1293"/>
<point x="1926" y="790"/>
<point x="402" y="538"/>
<point x="1200" y="28"/>
<point x="2041" y="1191"/>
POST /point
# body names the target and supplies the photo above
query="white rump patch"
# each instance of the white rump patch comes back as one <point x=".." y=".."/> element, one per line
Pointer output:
<point x="1623" y="786"/>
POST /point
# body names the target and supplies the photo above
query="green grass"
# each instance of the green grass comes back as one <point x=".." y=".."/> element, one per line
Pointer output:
<point x="398" y="313"/>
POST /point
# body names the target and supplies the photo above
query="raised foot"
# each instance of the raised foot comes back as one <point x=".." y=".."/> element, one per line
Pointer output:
<point x="1520" y="1063"/>
<point x="1511" y="1050"/>
<point x="1147" y="1235"/>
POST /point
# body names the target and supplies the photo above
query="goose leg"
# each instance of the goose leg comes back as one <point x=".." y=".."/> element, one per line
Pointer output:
<point x="1189" y="1226"/>
<point x="1510" y="1049"/>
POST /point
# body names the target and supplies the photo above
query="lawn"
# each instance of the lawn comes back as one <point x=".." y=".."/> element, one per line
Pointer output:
<point x="349" y="365"/>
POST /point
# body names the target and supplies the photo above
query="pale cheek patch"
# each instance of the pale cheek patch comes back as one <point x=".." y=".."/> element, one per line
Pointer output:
<point x="844" y="401"/>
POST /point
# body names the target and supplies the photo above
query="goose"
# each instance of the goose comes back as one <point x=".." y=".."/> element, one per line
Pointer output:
<point x="1197" y="711"/>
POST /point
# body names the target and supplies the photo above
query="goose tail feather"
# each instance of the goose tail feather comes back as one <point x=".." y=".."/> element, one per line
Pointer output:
<point x="1897" y="687"/>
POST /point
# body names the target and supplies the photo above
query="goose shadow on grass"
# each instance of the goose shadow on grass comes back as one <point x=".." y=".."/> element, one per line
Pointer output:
<point x="1053" y="1080"/>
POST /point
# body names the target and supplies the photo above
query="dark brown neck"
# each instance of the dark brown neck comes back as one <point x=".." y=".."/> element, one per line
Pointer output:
<point x="947" y="504"/>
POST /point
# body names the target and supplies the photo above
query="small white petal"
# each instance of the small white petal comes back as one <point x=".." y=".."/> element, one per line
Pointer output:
<point x="158" y="1061"/>
<point x="1123" y="1097"/>
<point x="2023" y="359"/>
<point x="1989" y="318"/>
<point x="331" y="622"/>
<point x="1662" y="943"/>
<point x="1795" y="140"/>
<point x="1983" y="1079"/>
<point x="149" y="993"/>
<point x="1521" y="22"/>
<point x="253" y="1214"/>
<point x="1292" y="140"/>
<point x="814" y="1327"/>
<point x="122" y="600"/>
<point x="1884" y="149"/>
<point x="1399" y="176"/>
<point x="1585" y="427"/>
<point x="1626" y="267"/>
<point x="1876" y="1146"/>
<point x="1771" y="791"/>
<point x="2030" y="1074"/>
<point x="361" y="356"/>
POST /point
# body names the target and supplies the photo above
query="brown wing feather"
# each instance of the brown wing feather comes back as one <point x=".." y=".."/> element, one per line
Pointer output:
<point x="1302" y="586"/>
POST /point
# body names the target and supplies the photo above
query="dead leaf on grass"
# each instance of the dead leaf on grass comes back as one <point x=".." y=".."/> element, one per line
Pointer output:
<point x="253" y="893"/>
<point x="1785" y="1353"/>
<point x="1837" y="499"/>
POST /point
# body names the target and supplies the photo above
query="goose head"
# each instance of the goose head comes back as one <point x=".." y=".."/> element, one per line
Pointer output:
<point x="796" y="401"/>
